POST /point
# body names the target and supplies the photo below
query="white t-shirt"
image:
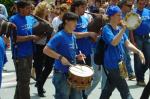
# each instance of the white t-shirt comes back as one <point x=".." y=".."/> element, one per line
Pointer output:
<point x="88" y="16"/>
<point x="56" y="22"/>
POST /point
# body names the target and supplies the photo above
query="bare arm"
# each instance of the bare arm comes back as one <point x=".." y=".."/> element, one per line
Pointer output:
<point x="27" y="38"/>
<point x="49" y="52"/>
<point x="24" y="38"/>
<point x="131" y="47"/>
<point x="85" y="34"/>
<point x="118" y="37"/>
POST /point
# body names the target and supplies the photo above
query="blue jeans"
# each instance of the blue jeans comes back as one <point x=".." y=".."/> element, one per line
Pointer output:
<point x="114" y="80"/>
<point x="62" y="88"/>
<point x="144" y="45"/>
<point x="128" y="61"/>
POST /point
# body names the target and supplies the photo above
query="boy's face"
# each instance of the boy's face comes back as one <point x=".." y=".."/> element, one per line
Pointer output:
<point x="81" y="9"/>
<point x="141" y="4"/>
<point x="25" y="11"/>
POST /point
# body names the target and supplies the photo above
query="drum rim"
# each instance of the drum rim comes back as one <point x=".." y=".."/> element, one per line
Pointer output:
<point x="137" y="16"/>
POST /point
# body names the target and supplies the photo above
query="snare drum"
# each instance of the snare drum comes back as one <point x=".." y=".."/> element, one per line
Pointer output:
<point x="80" y="77"/>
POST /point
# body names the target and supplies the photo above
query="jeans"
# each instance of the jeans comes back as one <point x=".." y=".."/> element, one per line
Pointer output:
<point x="114" y="80"/>
<point x="144" y="45"/>
<point x="128" y="61"/>
<point x="23" y="73"/>
<point x="63" y="89"/>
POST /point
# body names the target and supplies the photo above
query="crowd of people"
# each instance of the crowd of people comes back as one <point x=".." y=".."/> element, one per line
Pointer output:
<point x="69" y="41"/>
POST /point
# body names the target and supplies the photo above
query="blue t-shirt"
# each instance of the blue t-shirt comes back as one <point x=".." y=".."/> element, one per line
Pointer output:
<point x="113" y="54"/>
<point x="64" y="44"/>
<point x="84" y="44"/>
<point x="144" y="28"/>
<point x="2" y="53"/>
<point x="24" y="28"/>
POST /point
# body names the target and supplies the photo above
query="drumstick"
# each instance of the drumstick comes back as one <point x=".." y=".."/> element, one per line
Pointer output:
<point x="82" y="58"/>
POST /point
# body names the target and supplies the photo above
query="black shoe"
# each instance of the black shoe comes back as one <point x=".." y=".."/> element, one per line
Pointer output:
<point x="40" y="88"/>
<point x="41" y="95"/>
<point x="141" y="83"/>
<point x="84" y="96"/>
<point x="44" y="91"/>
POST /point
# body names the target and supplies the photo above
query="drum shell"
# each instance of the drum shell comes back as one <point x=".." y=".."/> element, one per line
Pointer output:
<point x="78" y="82"/>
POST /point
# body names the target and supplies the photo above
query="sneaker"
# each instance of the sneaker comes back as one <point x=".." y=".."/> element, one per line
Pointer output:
<point x="131" y="77"/>
<point x="141" y="83"/>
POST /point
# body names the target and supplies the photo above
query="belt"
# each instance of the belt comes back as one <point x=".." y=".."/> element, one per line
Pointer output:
<point x="59" y="71"/>
<point x="144" y="36"/>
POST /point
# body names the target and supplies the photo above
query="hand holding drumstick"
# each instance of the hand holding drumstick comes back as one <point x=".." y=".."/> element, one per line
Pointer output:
<point x="81" y="57"/>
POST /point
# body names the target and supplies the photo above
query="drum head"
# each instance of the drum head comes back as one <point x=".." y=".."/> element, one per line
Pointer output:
<point x="133" y="20"/>
<point x="81" y="71"/>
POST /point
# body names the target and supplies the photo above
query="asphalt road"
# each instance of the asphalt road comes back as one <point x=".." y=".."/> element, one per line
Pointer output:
<point x="9" y="83"/>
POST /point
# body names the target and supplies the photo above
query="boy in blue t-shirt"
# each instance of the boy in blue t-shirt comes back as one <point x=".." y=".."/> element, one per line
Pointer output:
<point x="63" y="48"/>
<point x="115" y="39"/>
<point x="84" y="44"/>
<point x="22" y="50"/>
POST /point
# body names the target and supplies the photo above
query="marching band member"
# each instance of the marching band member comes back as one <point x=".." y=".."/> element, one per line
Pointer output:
<point x="62" y="47"/>
<point x="115" y="39"/>
<point x="142" y="37"/>
<point x="22" y="54"/>
<point x="84" y="44"/>
<point x="126" y="6"/>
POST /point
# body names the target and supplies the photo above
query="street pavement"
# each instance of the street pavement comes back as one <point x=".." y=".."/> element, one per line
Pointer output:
<point x="9" y="82"/>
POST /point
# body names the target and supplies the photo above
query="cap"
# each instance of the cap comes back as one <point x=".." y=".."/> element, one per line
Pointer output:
<point x="111" y="10"/>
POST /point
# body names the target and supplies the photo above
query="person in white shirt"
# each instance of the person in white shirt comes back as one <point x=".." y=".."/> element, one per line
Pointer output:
<point x="58" y="20"/>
